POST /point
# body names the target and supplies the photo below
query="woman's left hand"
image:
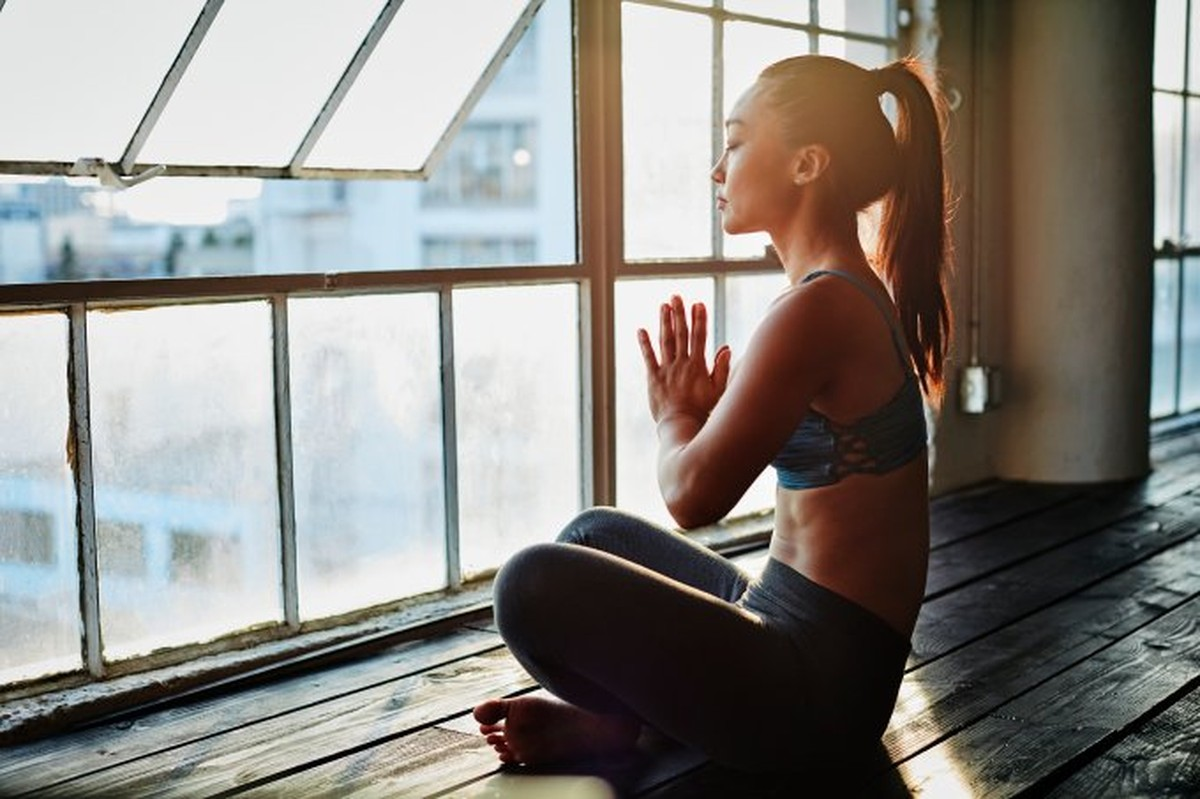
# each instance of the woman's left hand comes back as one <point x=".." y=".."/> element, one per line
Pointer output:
<point x="681" y="383"/>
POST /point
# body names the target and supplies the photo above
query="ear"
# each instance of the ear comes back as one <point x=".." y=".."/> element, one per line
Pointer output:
<point x="809" y="163"/>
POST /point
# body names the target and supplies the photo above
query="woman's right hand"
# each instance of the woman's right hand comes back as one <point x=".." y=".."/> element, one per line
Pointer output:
<point x="680" y="383"/>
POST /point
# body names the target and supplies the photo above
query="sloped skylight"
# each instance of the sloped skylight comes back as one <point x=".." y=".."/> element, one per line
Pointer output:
<point x="267" y="88"/>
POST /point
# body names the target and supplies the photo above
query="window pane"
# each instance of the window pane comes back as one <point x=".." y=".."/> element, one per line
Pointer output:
<point x="504" y="193"/>
<point x="1189" y="377"/>
<point x="85" y="56"/>
<point x="233" y="106"/>
<point x="1191" y="180"/>
<point x="367" y="443"/>
<point x="184" y="460"/>
<point x="1170" y="26"/>
<point x="1168" y="167"/>
<point x="746" y="300"/>
<point x="1193" y="83"/>
<point x="1165" y="339"/>
<point x="866" y="54"/>
<point x="39" y="581"/>
<point x="427" y="60"/>
<point x="637" y="304"/>
<point x="749" y="48"/>
<point x="872" y="17"/>
<point x="516" y="353"/>
<point x="790" y="10"/>
<point x="668" y="133"/>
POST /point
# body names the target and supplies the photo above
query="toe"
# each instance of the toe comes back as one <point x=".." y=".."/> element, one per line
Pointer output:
<point x="491" y="712"/>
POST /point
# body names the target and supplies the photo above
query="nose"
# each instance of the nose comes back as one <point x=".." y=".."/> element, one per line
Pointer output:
<point x="718" y="171"/>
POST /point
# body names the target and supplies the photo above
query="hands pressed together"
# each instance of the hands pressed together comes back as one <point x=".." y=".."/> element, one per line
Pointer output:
<point x="680" y="383"/>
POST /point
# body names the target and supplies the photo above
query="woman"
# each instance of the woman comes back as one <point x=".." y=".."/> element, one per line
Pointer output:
<point x="629" y="625"/>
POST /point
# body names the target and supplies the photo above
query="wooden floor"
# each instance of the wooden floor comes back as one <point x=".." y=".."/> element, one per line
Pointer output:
<point x="1057" y="653"/>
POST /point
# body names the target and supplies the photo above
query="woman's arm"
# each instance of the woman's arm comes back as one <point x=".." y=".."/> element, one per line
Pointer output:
<point x="718" y="431"/>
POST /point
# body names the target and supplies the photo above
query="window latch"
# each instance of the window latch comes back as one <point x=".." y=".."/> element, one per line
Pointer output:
<point x="109" y="177"/>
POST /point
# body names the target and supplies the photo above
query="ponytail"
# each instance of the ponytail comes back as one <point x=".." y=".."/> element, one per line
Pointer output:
<point x="914" y="243"/>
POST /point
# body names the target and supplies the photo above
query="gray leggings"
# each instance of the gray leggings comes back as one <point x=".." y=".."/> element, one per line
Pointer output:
<point x="771" y="674"/>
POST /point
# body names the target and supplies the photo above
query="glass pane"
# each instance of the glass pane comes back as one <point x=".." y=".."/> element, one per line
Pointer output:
<point x="668" y="133"/>
<point x="790" y="10"/>
<point x="1193" y="82"/>
<point x="516" y="353"/>
<point x="503" y="193"/>
<point x="235" y="106"/>
<point x="414" y="83"/>
<point x="746" y="300"/>
<point x="866" y="54"/>
<point x="39" y="580"/>
<point x="1189" y="376"/>
<point x="183" y="444"/>
<point x="1170" y="26"/>
<point x="750" y="48"/>
<point x="1191" y="180"/>
<point x="1168" y="167"/>
<point x="1163" y="359"/>
<point x="871" y="17"/>
<point x="367" y="444"/>
<point x="637" y="304"/>
<point x="100" y="75"/>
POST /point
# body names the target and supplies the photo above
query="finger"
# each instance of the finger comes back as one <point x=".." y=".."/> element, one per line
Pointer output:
<point x="720" y="373"/>
<point x="679" y="318"/>
<point x="699" y="329"/>
<point x="647" y="350"/>
<point x="666" y="333"/>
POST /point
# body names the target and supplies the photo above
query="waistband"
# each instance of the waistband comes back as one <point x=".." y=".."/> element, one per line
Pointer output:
<point x="815" y="617"/>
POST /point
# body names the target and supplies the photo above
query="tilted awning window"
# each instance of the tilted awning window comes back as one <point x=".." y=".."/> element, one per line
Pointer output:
<point x="256" y="88"/>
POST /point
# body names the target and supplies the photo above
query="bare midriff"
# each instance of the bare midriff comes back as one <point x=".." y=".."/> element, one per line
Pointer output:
<point x="865" y="537"/>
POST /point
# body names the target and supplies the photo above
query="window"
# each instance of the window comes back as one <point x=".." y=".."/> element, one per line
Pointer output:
<point x="298" y="390"/>
<point x="489" y="164"/>
<point x="1175" y="363"/>
<point x="28" y="537"/>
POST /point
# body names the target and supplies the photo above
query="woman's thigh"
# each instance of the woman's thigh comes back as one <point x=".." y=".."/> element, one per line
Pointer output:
<point x="663" y="551"/>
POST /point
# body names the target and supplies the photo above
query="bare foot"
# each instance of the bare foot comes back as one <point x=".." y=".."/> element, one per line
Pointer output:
<point x="540" y="730"/>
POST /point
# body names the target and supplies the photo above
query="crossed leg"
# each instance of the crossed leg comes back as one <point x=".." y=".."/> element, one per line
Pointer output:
<point x="620" y="645"/>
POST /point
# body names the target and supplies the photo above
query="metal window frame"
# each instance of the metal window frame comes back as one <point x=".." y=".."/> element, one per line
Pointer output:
<point x="128" y="163"/>
<point x="601" y="264"/>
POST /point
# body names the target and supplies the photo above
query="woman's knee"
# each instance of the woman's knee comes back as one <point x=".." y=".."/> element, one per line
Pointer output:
<point x="591" y="527"/>
<point x="530" y="585"/>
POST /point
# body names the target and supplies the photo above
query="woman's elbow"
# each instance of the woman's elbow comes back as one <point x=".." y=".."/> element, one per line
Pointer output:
<point x="693" y="508"/>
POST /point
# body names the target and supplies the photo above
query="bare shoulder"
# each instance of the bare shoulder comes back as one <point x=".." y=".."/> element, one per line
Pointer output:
<point x="804" y="315"/>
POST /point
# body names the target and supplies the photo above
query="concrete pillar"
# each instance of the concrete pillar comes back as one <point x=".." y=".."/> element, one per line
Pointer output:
<point x="1077" y="382"/>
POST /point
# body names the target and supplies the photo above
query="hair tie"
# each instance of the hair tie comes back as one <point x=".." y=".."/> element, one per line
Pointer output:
<point x="879" y="81"/>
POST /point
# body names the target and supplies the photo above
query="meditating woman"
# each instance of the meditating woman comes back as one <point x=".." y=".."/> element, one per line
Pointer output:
<point x="631" y="626"/>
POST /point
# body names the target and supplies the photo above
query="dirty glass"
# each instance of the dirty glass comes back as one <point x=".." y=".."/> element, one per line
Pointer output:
<point x="39" y="578"/>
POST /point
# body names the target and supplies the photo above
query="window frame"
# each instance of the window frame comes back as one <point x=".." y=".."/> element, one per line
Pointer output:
<point x="601" y="264"/>
<point x="1177" y="250"/>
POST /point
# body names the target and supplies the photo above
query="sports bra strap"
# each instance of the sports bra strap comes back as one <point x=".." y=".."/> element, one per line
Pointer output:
<point x="886" y="309"/>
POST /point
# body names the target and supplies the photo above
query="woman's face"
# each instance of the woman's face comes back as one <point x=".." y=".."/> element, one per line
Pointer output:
<point x="755" y="190"/>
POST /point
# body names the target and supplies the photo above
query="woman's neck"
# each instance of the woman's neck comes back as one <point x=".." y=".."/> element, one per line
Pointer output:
<point x="805" y="247"/>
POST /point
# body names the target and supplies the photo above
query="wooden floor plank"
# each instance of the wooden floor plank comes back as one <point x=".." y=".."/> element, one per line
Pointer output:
<point x="256" y="754"/>
<point x="942" y="697"/>
<point x="965" y="560"/>
<point x="71" y="755"/>
<point x="1029" y="739"/>
<point x="420" y="764"/>
<point x="1160" y="759"/>
<point x="968" y="512"/>
<point x="954" y="619"/>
